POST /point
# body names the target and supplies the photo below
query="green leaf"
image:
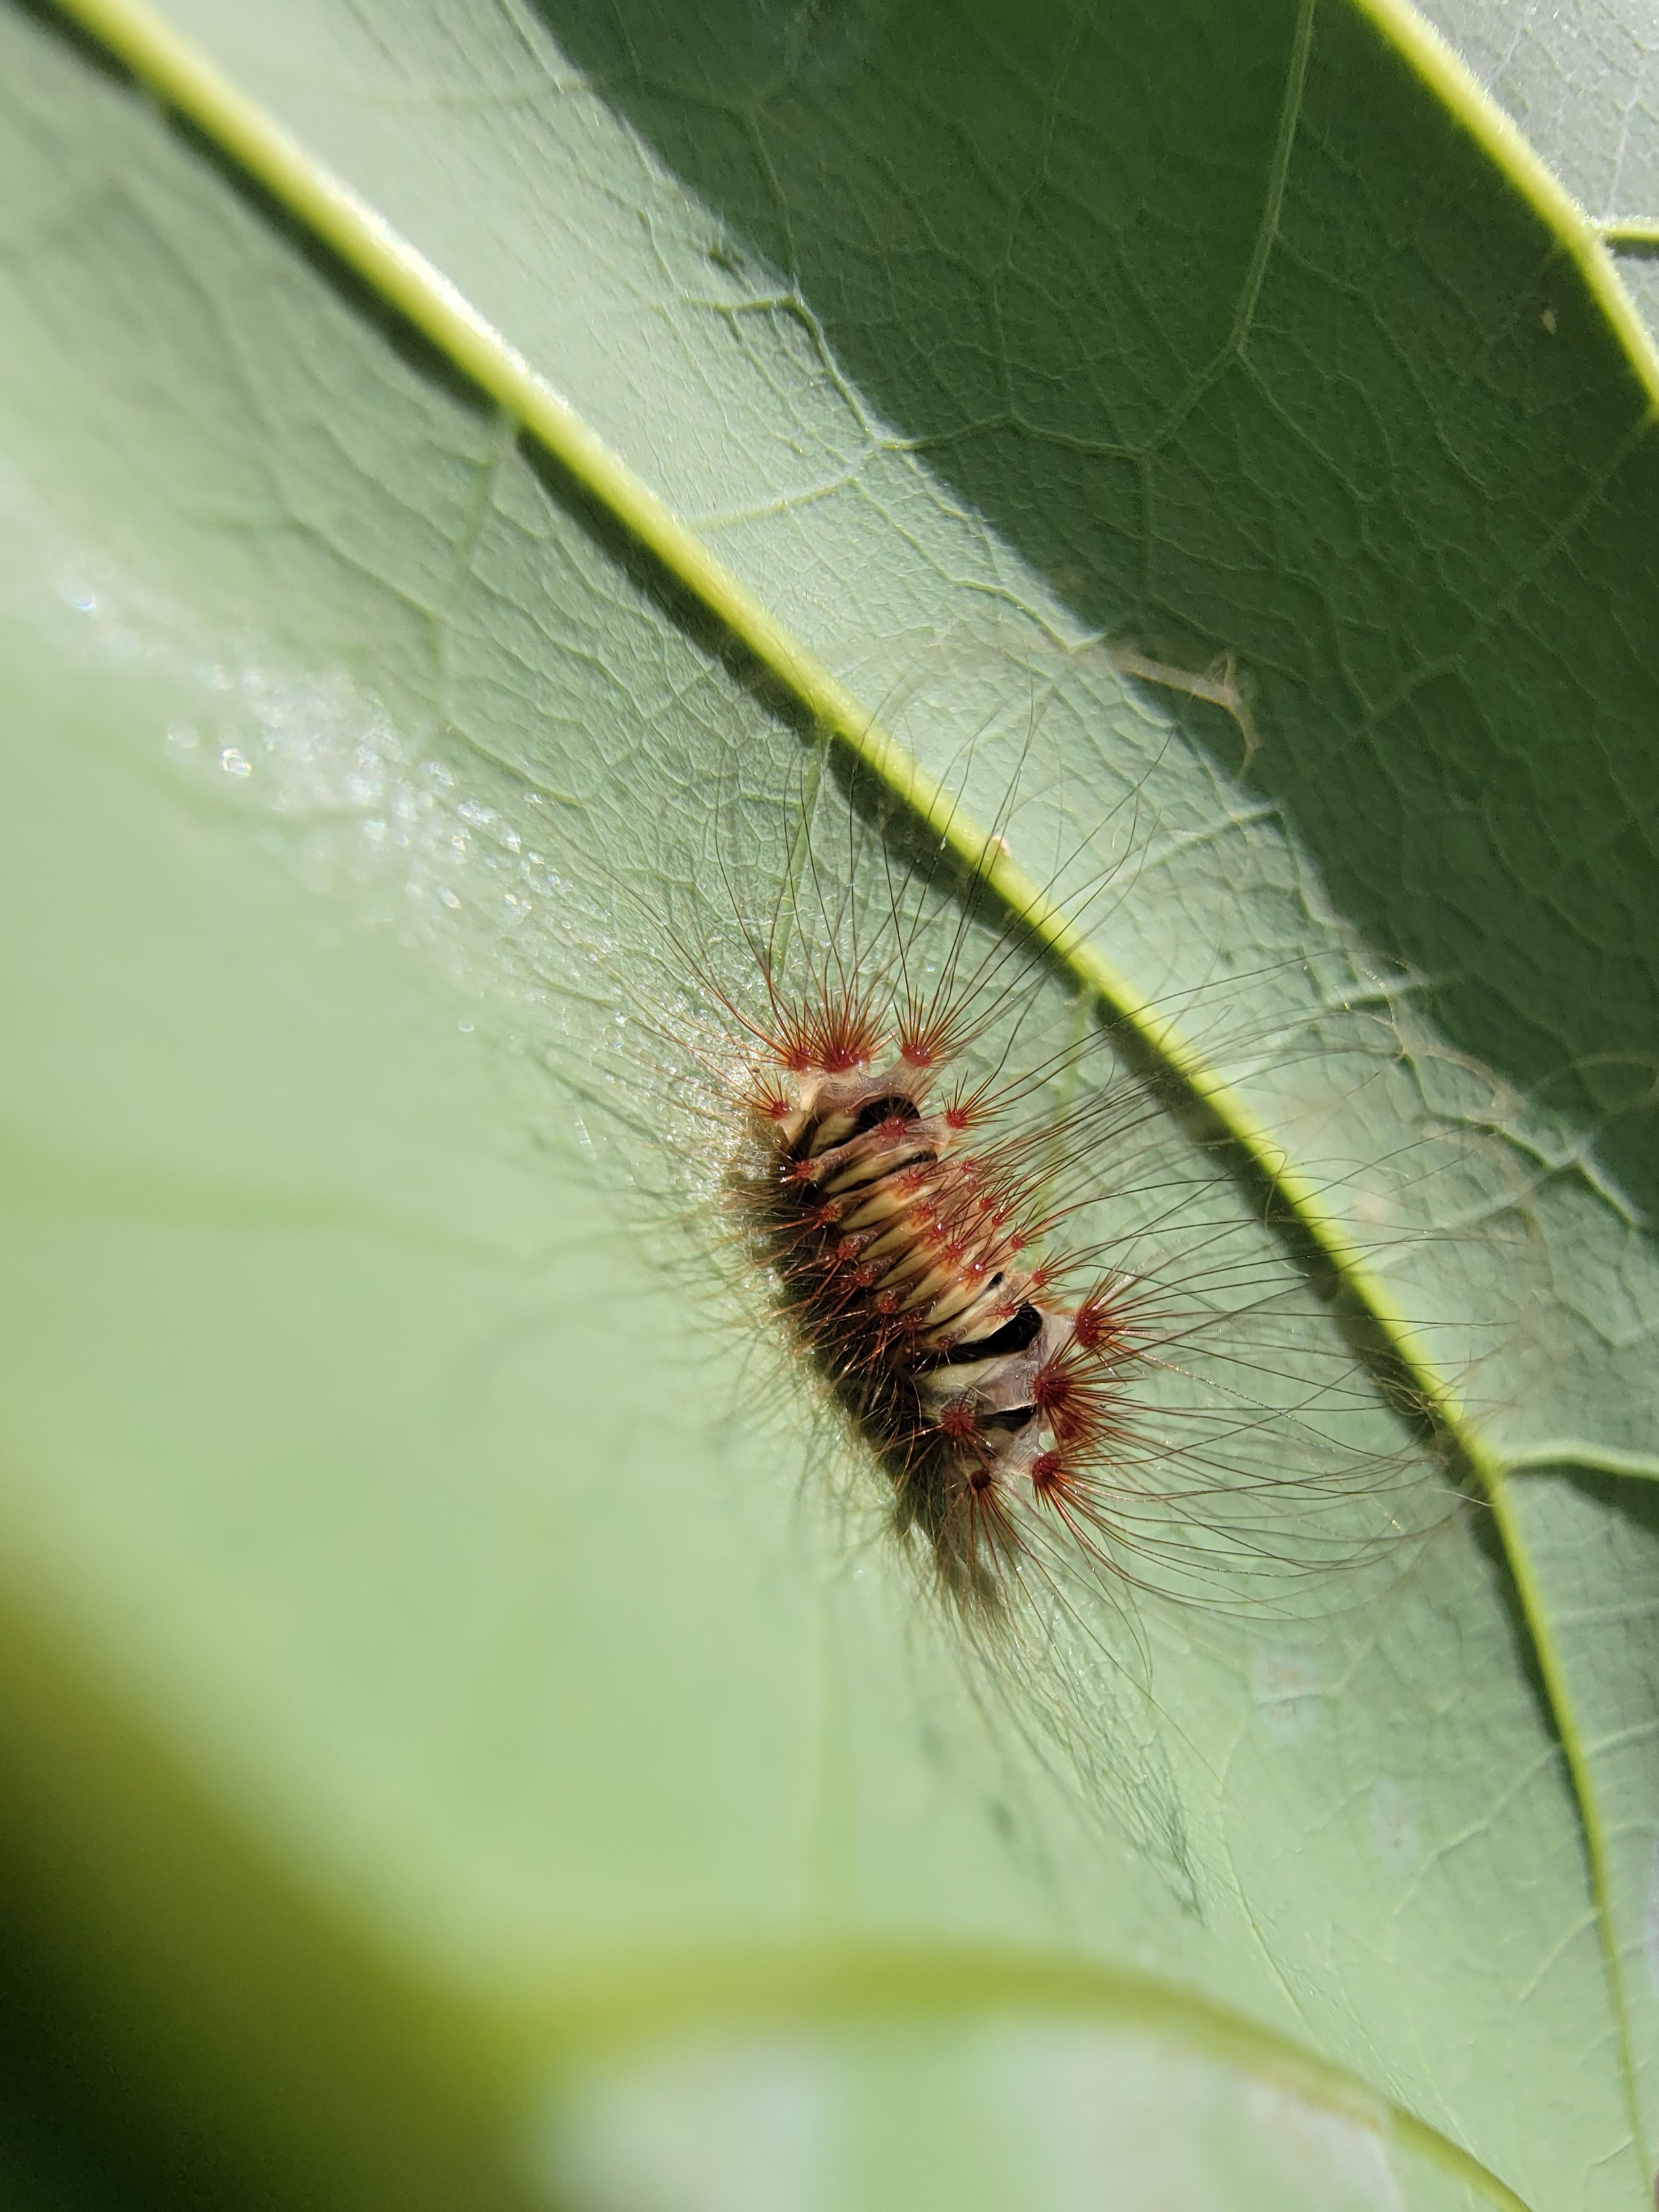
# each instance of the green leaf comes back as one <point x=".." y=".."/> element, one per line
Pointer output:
<point x="1576" y="85"/>
<point x="435" y="1713"/>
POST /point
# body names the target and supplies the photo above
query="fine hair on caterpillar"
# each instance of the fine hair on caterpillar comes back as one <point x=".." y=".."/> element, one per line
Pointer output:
<point x="1067" y="1324"/>
<point x="723" y="904"/>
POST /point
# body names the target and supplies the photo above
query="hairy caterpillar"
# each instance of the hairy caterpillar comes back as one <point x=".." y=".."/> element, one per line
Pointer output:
<point x="1000" y="1248"/>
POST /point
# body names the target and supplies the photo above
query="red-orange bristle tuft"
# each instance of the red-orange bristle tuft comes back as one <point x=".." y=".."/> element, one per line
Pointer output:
<point x="959" y="1421"/>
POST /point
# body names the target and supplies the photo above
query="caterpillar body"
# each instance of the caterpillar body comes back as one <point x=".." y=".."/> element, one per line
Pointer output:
<point x="903" y="1256"/>
<point x="1000" y="1248"/>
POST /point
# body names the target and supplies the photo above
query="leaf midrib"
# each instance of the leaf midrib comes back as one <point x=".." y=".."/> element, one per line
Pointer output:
<point x="335" y="213"/>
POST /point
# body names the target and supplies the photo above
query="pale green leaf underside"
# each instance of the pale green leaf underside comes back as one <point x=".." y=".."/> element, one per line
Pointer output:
<point x="1581" y="84"/>
<point x="299" y="502"/>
